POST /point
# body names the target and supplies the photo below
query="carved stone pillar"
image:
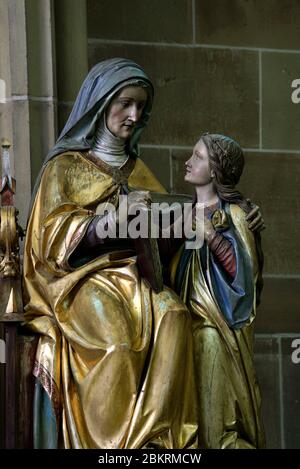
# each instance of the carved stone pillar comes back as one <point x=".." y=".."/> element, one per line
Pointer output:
<point x="71" y="53"/>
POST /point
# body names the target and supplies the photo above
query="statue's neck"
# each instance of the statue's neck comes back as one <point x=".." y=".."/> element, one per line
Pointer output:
<point x="207" y="194"/>
<point x="107" y="146"/>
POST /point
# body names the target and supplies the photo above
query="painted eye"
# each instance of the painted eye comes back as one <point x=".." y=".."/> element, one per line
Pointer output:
<point x="124" y="103"/>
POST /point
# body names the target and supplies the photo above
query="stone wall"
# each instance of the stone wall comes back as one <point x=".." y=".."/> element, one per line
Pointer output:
<point x="227" y="66"/>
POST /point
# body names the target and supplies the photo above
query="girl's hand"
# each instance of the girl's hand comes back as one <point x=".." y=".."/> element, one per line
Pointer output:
<point x="255" y="219"/>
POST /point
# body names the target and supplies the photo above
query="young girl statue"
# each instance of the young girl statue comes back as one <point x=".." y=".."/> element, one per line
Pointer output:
<point x="220" y="283"/>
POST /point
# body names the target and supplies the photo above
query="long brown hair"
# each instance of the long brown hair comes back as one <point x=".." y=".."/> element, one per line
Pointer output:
<point x="226" y="159"/>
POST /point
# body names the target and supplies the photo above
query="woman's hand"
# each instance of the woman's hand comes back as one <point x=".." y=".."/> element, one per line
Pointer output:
<point x="135" y="200"/>
<point x="255" y="219"/>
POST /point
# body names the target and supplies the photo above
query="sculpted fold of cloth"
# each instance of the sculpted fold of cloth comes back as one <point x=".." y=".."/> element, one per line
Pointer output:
<point x="114" y="364"/>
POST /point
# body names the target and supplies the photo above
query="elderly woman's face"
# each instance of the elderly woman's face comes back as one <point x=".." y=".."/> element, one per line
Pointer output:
<point x="198" y="171"/>
<point x="125" y="111"/>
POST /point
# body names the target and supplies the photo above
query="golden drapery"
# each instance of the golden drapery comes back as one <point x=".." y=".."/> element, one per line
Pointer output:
<point x="114" y="357"/>
<point x="228" y="393"/>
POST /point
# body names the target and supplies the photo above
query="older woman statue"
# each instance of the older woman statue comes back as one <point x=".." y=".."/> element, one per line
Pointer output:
<point x="114" y="365"/>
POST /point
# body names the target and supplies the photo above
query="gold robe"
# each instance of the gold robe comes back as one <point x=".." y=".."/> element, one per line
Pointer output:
<point x="114" y="357"/>
<point x="228" y="394"/>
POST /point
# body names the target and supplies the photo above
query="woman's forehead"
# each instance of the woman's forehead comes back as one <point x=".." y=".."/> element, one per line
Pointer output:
<point x="133" y="92"/>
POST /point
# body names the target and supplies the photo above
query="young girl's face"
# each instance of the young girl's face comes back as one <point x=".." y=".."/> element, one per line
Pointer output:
<point x="198" y="171"/>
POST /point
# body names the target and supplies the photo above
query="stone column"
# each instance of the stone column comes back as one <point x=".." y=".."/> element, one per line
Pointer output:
<point x="41" y="80"/>
<point x="71" y="53"/>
